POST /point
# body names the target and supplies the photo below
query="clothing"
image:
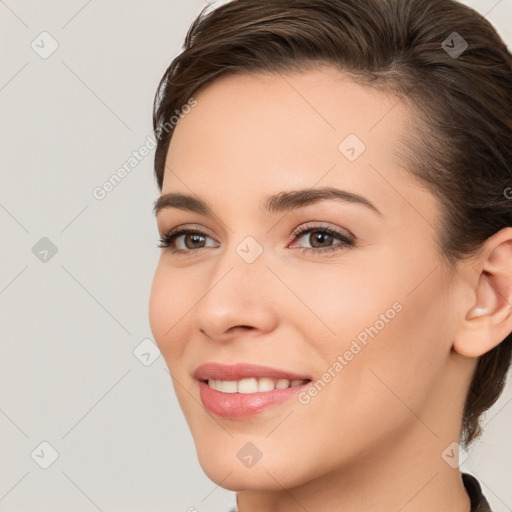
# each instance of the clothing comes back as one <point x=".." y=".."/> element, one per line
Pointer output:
<point x="478" y="501"/>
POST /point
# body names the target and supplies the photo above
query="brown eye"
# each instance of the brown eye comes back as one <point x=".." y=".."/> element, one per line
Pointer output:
<point x="184" y="240"/>
<point x="194" y="239"/>
<point x="319" y="239"/>
<point x="322" y="238"/>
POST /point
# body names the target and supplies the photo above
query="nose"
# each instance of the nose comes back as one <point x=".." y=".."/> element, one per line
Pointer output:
<point x="240" y="297"/>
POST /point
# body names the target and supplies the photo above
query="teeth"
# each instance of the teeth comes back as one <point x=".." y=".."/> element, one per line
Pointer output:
<point x="266" y="384"/>
<point x="248" y="386"/>
<point x="282" y="384"/>
<point x="253" y="385"/>
<point x="227" y="386"/>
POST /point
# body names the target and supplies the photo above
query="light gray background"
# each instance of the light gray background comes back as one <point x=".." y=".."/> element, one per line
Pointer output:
<point x="70" y="325"/>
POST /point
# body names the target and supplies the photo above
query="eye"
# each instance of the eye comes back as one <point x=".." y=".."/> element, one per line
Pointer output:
<point x="184" y="240"/>
<point x="192" y="240"/>
<point x="320" y="238"/>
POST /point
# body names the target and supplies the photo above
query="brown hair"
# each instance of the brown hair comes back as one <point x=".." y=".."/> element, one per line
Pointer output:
<point x="460" y="143"/>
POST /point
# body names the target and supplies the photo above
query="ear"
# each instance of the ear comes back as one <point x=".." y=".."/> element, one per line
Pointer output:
<point x="489" y="320"/>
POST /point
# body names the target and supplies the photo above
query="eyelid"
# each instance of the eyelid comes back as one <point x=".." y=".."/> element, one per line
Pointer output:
<point x="183" y="227"/>
<point x="319" y="225"/>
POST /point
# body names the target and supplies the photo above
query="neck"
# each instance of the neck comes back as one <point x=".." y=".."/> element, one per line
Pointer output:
<point x="409" y="476"/>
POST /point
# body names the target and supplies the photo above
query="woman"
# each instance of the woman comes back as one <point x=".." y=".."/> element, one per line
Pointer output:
<point x="333" y="297"/>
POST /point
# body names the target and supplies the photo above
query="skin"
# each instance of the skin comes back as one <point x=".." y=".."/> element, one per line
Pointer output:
<point x="372" y="438"/>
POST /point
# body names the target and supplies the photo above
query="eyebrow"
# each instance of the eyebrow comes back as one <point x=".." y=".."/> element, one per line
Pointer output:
<point x="281" y="202"/>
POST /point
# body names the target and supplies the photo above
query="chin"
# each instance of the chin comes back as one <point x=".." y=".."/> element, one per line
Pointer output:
<point x="230" y="473"/>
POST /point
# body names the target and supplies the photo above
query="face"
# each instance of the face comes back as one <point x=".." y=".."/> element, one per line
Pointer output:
<point x="346" y="291"/>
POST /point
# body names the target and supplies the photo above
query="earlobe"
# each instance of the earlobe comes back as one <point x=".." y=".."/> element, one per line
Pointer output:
<point x="489" y="320"/>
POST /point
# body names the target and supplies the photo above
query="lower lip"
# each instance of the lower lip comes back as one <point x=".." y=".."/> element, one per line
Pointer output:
<point x="243" y="405"/>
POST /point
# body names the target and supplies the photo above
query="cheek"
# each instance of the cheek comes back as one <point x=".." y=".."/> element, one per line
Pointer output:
<point x="167" y="313"/>
<point x="403" y="367"/>
<point x="342" y="302"/>
<point x="393" y="338"/>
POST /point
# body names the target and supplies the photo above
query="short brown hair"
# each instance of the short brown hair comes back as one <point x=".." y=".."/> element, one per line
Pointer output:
<point x="461" y="143"/>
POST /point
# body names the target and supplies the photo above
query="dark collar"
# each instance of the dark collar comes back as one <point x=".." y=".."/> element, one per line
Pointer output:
<point x="478" y="501"/>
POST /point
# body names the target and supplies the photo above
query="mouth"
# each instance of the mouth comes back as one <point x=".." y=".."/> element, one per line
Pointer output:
<point x="242" y="371"/>
<point x="242" y="391"/>
<point x="253" y="385"/>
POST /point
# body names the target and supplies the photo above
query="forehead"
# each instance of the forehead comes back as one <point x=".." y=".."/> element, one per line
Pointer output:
<point x="320" y="101"/>
<point x="272" y="132"/>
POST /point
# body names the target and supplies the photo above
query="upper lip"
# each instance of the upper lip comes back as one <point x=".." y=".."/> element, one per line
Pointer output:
<point x="240" y="371"/>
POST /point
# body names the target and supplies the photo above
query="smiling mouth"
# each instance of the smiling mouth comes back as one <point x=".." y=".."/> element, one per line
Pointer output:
<point x="247" y="397"/>
<point x="253" y="385"/>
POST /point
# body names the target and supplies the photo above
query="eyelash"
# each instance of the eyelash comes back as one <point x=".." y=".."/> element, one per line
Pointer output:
<point x="167" y="239"/>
